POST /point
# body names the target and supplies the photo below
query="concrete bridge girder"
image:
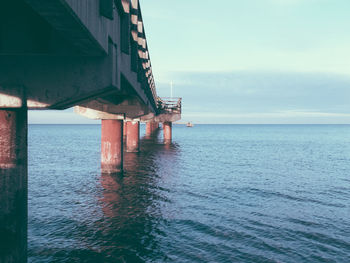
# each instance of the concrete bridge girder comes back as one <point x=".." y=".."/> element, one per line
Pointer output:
<point x="167" y="117"/>
<point x="130" y="108"/>
<point x="56" y="82"/>
<point x="64" y="82"/>
<point x="97" y="115"/>
<point x="148" y="117"/>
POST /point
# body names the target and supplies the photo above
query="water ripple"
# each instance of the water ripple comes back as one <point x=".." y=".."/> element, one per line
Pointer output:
<point x="253" y="194"/>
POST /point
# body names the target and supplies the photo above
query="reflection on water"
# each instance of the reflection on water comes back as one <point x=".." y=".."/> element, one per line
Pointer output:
<point x="131" y="215"/>
<point x="252" y="194"/>
<point x="126" y="227"/>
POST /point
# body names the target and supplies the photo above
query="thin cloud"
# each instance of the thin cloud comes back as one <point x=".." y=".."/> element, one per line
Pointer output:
<point x="278" y="114"/>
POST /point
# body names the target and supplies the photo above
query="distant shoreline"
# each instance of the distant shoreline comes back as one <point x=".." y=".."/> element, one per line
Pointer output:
<point x="241" y="124"/>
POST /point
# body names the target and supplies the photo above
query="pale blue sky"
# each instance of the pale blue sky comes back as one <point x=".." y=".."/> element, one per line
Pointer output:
<point x="251" y="61"/>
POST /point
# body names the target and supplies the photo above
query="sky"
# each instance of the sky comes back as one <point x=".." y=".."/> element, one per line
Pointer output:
<point x="251" y="61"/>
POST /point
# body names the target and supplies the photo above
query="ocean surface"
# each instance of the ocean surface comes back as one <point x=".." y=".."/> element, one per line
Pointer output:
<point x="219" y="193"/>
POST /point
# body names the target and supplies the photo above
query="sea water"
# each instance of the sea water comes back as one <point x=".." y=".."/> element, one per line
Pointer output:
<point x="218" y="193"/>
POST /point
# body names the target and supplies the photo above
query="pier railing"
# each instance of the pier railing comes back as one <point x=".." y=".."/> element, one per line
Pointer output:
<point x="170" y="105"/>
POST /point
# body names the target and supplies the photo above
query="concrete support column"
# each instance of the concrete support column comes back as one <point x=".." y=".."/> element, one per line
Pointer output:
<point x="156" y="126"/>
<point x="149" y="130"/>
<point x="112" y="146"/>
<point x="151" y="127"/>
<point x="167" y="129"/>
<point x="132" y="136"/>
<point x="13" y="185"/>
<point x="124" y="130"/>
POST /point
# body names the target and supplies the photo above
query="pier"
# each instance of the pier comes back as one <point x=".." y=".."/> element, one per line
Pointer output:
<point x="91" y="55"/>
